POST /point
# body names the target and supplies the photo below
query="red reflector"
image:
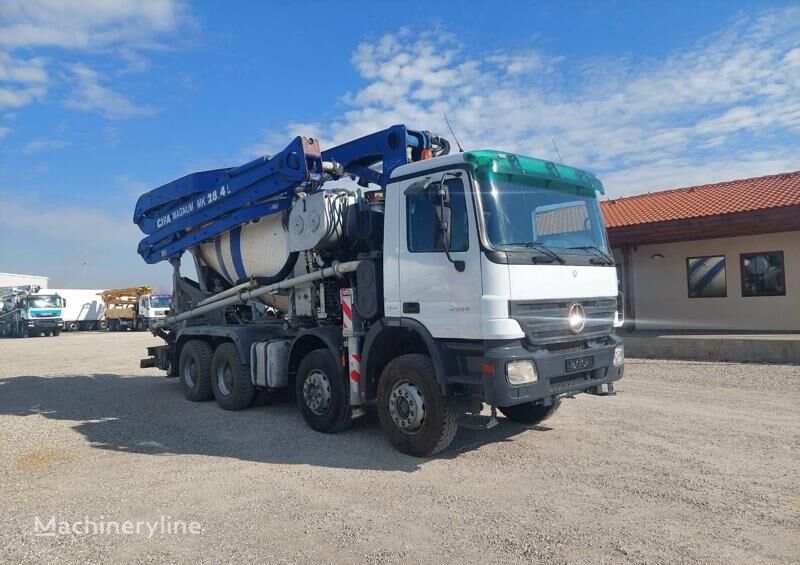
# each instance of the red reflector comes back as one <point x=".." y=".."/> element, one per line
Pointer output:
<point x="426" y="154"/>
<point x="488" y="369"/>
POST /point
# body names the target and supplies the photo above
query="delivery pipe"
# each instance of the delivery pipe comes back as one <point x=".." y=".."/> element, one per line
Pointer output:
<point x="242" y="297"/>
<point x="249" y="285"/>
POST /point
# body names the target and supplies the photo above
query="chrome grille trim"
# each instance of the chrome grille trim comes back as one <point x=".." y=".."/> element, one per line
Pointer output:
<point x="545" y="321"/>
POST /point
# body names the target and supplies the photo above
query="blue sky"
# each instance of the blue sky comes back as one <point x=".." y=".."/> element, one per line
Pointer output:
<point x="103" y="100"/>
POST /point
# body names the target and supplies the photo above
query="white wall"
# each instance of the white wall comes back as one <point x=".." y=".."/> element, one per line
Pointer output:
<point x="661" y="296"/>
<point x="13" y="279"/>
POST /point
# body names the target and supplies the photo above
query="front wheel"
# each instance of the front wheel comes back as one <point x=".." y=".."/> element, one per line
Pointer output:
<point x="416" y="417"/>
<point x="530" y="413"/>
<point x="323" y="393"/>
<point x="56" y="332"/>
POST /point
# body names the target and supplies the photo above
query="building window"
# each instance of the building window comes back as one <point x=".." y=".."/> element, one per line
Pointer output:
<point x="422" y="222"/>
<point x="706" y="277"/>
<point x="763" y="274"/>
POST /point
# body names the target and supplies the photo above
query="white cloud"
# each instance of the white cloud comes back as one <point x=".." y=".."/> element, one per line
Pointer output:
<point x="37" y="145"/>
<point x="21" y="81"/>
<point x="86" y="24"/>
<point x="120" y="30"/>
<point x="4" y="131"/>
<point x="638" y="123"/>
<point x="89" y="95"/>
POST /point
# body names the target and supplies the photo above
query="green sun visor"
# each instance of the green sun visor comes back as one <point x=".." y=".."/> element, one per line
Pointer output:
<point x="553" y="175"/>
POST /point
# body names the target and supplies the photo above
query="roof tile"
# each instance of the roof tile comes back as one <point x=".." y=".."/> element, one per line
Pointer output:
<point x="773" y="191"/>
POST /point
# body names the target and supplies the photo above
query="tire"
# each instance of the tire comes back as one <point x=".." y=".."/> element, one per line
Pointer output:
<point x="102" y="324"/>
<point x="113" y="325"/>
<point x="22" y="331"/>
<point x="230" y="379"/>
<point x="56" y="332"/>
<point x="140" y="325"/>
<point x="414" y="414"/>
<point x="72" y="327"/>
<point x="194" y="370"/>
<point x="323" y="393"/>
<point x="530" y="413"/>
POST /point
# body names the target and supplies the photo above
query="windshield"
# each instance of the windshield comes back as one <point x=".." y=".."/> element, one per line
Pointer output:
<point x="44" y="302"/>
<point x="160" y="301"/>
<point x="519" y="211"/>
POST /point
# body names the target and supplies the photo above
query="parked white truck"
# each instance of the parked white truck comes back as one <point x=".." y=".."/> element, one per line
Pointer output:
<point x="442" y="282"/>
<point x="134" y="308"/>
<point x="28" y="311"/>
<point x="84" y="309"/>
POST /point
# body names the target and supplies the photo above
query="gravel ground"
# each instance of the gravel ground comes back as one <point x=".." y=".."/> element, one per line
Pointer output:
<point x="689" y="463"/>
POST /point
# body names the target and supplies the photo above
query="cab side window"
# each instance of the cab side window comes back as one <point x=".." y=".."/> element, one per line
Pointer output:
<point x="422" y="227"/>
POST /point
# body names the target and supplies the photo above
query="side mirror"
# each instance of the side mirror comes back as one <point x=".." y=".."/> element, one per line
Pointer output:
<point x="63" y="303"/>
<point x="444" y="214"/>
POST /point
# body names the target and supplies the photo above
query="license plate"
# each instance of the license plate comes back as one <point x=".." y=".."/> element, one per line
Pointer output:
<point x="580" y="364"/>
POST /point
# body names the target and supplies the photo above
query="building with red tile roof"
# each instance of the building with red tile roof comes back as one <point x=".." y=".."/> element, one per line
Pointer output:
<point x="714" y="256"/>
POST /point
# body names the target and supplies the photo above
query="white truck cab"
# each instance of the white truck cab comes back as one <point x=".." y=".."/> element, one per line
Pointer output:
<point x="29" y="311"/>
<point x="527" y="289"/>
<point x="153" y="307"/>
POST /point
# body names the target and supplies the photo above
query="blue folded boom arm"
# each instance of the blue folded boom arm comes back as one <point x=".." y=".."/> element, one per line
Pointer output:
<point x="203" y="205"/>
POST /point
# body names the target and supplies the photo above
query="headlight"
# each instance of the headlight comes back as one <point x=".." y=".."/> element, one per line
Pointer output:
<point x="521" y="372"/>
<point x="619" y="355"/>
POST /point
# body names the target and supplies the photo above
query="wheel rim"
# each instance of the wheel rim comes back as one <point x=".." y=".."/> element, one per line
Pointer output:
<point x="407" y="407"/>
<point x="317" y="392"/>
<point x="225" y="378"/>
<point x="190" y="373"/>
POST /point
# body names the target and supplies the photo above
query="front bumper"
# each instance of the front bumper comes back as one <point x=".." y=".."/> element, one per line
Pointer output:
<point x="45" y="323"/>
<point x="553" y="378"/>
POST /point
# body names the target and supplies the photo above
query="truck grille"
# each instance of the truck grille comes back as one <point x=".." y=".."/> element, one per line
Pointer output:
<point x="545" y="321"/>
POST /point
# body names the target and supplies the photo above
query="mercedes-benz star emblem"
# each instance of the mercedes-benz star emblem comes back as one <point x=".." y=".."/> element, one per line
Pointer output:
<point x="577" y="318"/>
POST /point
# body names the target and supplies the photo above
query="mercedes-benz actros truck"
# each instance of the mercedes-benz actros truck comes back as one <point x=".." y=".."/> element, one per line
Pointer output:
<point x="436" y="287"/>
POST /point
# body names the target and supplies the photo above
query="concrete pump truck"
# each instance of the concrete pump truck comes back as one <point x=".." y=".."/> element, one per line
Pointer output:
<point x="433" y="285"/>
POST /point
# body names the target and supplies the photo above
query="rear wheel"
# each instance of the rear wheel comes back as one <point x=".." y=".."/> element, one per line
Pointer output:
<point x="113" y="325"/>
<point x="323" y="393"/>
<point x="194" y="369"/>
<point x="230" y="379"/>
<point x="72" y="326"/>
<point x="530" y="413"/>
<point x="416" y="417"/>
<point x="102" y="324"/>
<point x="140" y="325"/>
<point x="22" y="330"/>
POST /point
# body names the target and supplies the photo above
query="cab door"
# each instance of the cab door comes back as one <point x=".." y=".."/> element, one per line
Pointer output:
<point x="432" y="289"/>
